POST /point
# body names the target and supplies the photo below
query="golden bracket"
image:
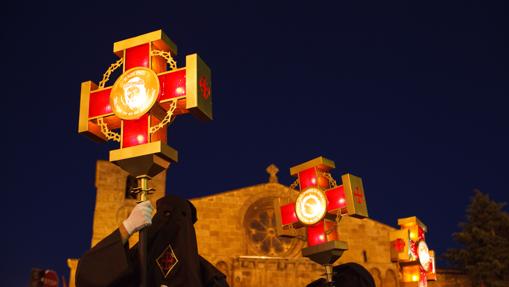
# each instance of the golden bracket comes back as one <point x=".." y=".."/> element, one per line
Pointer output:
<point x="144" y="162"/>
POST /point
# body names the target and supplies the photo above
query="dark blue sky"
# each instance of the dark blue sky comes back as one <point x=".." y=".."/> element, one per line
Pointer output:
<point x="413" y="98"/>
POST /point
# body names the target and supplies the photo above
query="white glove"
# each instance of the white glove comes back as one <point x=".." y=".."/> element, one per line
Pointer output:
<point x="140" y="217"/>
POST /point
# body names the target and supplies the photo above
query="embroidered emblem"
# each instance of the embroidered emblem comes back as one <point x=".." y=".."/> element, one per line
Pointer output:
<point x="167" y="260"/>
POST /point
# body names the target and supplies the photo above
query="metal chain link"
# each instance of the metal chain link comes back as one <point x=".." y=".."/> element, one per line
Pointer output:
<point x="294" y="184"/>
<point x="170" y="116"/>
<point x="167" y="56"/>
<point x="111" y="69"/>
<point x="333" y="184"/>
<point x="332" y="181"/>
<point x="106" y="131"/>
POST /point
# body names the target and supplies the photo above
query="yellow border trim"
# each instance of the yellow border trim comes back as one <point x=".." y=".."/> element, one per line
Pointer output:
<point x="158" y="148"/>
<point x="86" y="88"/>
<point x="320" y="162"/>
<point x="160" y="40"/>
<point x="412" y="220"/>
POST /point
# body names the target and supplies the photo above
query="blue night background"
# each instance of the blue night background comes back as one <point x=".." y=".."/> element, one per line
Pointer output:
<point x="410" y="96"/>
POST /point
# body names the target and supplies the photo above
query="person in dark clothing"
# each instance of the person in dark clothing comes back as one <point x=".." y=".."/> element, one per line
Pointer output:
<point x="173" y="259"/>
<point x="347" y="275"/>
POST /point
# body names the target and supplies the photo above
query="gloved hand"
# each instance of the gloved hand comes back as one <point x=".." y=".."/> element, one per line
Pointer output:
<point x="140" y="217"/>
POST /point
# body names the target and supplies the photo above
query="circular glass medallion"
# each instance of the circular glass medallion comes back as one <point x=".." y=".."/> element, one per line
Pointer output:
<point x="134" y="93"/>
<point x="423" y="252"/>
<point x="311" y="206"/>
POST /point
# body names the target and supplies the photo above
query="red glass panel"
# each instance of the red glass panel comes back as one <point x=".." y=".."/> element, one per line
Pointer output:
<point x="316" y="234"/>
<point x="135" y="132"/>
<point x="288" y="215"/>
<point x="420" y="233"/>
<point x="99" y="103"/>
<point x="172" y="85"/>
<point x="307" y="178"/>
<point x="335" y="199"/>
<point x="137" y="56"/>
<point x="423" y="280"/>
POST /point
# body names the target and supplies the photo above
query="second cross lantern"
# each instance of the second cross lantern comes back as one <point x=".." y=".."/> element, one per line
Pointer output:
<point x="319" y="207"/>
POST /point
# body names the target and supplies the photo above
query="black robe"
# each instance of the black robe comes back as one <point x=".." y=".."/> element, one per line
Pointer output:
<point x="111" y="264"/>
<point x="347" y="275"/>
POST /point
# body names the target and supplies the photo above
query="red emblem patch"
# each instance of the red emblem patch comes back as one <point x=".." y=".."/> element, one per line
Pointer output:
<point x="205" y="88"/>
<point x="398" y="245"/>
<point x="167" y="260"/>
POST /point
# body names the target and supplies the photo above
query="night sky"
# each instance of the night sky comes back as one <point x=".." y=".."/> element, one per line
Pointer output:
<point x="412" y="98"/>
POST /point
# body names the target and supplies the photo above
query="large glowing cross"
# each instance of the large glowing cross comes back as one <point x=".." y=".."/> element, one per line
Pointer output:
<point x="347" y="198"/>
<point x="178" y="91"/>
<point x="142" y="102"/>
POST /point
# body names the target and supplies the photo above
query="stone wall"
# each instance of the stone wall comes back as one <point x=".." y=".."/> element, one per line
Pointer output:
<point x="236" y="232"/>
<point x="226" y="238"/>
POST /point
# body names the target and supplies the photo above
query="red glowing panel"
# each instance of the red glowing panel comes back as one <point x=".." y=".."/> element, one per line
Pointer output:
<point x="135" y="132"/>
<point x="423" y="280"/>
<point x="308" y="178"/>
<point x="420" y="233"/>
<point x="137" y="56"/>
<point x="413" y="250"/>
<point x="288" y="215"/>
<point x="335" y="199"/>
<point x="316" y="234"/>
<point x="172" y="85"/>
<point x="99" y="103"/>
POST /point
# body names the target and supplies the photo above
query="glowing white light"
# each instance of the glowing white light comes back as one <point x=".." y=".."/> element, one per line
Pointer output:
<point x="140" y="138"/>
<point x="179" y="91"/>
<point x="134" y="93"/>
<point x="423" y="252"/>
<point x="311" y="205"/>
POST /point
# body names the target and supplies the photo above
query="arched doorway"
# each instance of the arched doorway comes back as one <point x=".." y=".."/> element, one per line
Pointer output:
<point x="390" y="279"/>
<point x="376" y="276"/>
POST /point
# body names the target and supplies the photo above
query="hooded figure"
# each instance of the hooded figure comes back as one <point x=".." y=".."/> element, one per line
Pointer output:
<point x="173" y="258"/>
<point x="347" y="275"/>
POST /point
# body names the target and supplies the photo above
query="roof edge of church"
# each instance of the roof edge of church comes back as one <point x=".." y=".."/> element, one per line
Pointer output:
<point x="382" y="223"/>
<point x="240" y="189"/>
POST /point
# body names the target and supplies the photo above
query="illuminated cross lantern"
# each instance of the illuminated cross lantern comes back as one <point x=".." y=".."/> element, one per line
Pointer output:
<point x="318" y="206"/>
<point x="408" y="246"/>
<point x="143" y="100"/>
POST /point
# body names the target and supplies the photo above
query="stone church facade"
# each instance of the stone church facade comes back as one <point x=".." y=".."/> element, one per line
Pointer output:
<point x="236" y="231"/>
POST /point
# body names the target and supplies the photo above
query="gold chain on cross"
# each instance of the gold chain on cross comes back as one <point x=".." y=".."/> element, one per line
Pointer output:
<point x="111" y="69"/>
<point x="168" y="118"/>
<point x="106" y="131"/>
<point x="167" y="56"/>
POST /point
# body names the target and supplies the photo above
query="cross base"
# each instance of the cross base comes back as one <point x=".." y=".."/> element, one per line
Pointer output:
<point x="144" y="160"/>
<point x="326" y="253"/>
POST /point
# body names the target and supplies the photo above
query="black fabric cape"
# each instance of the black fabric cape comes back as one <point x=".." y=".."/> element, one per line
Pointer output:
<point x="347" y="275"/>
<point x="111" y="264"/>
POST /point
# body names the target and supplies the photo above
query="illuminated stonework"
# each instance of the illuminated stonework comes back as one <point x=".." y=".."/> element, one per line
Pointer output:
<point x="260" y="226"/>
<point x="222" y="232"/>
